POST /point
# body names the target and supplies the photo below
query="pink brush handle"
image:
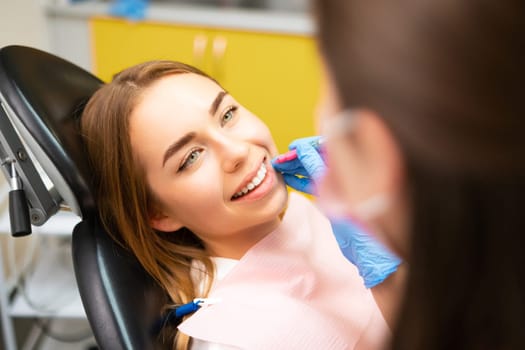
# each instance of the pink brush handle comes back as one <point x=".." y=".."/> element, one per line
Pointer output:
<point x="283" y="158"/>
<point x="291" y="155"/>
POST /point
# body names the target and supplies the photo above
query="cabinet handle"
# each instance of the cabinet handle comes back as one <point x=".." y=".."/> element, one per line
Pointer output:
<point x="220" y="43"/>
<point x="199" y="49"/>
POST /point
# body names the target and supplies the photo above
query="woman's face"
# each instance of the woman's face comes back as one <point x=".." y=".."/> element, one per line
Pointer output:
<point x="365" y="176"/>
<point x="207" y="163"/>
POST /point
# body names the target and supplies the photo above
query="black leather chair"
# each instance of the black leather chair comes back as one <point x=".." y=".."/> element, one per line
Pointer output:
<point x="42" y="97"/>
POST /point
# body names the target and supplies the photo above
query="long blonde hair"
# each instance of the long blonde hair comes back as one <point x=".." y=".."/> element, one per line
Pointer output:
<point x="123" y="198"/>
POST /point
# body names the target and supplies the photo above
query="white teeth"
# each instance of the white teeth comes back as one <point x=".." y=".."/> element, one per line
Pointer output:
<point x="256" y="181"/>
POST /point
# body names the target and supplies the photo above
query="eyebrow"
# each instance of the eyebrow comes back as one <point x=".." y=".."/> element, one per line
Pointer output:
<point x="217" y="102"/>
<point x="183" y="141"/>
<point x="176" y="146"/>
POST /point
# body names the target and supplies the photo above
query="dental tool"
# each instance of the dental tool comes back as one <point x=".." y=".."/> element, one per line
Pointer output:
<point x="292" y="154"/>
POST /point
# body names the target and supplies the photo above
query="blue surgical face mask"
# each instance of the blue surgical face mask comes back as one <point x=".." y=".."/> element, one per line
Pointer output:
<point x="364" y="212"/>
<point x="330" y="199"/>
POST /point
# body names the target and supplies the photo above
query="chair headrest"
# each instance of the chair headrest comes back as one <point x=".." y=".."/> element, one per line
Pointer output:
<point x="46" y="95"/>
<point x="43" y="97"/>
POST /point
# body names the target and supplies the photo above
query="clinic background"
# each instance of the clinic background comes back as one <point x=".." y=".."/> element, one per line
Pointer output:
<point x="261" y="51"/>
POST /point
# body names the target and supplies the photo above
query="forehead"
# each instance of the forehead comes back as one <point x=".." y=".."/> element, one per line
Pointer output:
<point x="168" y="109"/>
<point x="180" y="91"/>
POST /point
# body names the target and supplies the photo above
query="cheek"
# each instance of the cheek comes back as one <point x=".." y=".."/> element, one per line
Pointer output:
<point x="258" y="133"/>
<point x="197" y="196"/>
<point x="186" y="193"/>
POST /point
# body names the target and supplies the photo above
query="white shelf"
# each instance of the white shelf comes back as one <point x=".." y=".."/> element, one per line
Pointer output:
<point x="229" y="17"/>
<point x="50" y="285"/>
<point x="69" y="328"/>
<point x="73" y="309"/>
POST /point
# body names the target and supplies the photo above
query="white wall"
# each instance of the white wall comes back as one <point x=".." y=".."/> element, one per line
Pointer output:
<point x="22" y="22"/>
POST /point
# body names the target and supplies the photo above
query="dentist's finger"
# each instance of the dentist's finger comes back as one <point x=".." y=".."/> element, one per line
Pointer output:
<point x="300" y="184"/>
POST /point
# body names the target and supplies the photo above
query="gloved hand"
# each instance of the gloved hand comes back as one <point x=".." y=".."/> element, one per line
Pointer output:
<point x="304" y="171"/>
<point x="131" y="9"/>
<point x="373" y="261"/>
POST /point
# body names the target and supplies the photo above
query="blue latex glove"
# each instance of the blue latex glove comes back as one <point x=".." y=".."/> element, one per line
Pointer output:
<point x="373" y="261"/>
<point x="131" y="9"/>
<point x="303" y="172"/>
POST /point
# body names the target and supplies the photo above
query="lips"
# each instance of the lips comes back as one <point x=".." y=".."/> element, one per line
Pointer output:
<point x="251" y="181"/>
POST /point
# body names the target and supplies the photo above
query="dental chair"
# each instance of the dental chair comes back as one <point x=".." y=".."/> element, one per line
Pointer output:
<point x="42" y="97"/>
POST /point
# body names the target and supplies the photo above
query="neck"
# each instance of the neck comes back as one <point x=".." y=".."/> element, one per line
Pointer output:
<point x="236" y="244"/>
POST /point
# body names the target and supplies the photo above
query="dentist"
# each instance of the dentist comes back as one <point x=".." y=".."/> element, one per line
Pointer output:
<point x="422" y="126"/>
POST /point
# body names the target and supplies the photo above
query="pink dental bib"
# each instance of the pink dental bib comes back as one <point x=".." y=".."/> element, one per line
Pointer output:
<point x="292" y="290"/>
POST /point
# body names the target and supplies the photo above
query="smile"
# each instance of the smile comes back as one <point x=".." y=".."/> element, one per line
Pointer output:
<point x="254" y="183"/>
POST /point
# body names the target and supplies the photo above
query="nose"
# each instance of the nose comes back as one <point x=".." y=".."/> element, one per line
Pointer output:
<point x="234" y="152"/>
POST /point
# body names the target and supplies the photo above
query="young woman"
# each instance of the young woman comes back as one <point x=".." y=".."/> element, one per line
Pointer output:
<point x="183" y="178"/>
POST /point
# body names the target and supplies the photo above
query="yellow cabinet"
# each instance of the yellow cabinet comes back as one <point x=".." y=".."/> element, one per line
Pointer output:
<point x="276" y="76"/>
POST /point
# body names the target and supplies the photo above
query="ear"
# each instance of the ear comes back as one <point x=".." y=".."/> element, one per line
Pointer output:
<point x="384" y="165"/>
<point x="163" y="222"/>
<point x="380" y="153"/>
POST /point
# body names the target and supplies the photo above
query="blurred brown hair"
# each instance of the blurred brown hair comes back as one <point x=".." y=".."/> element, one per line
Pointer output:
<point x="447" y="77"/>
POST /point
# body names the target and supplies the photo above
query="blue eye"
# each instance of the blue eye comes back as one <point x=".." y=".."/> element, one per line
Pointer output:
<point x="190" y="159"/>
<point x="228" y="116"/>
